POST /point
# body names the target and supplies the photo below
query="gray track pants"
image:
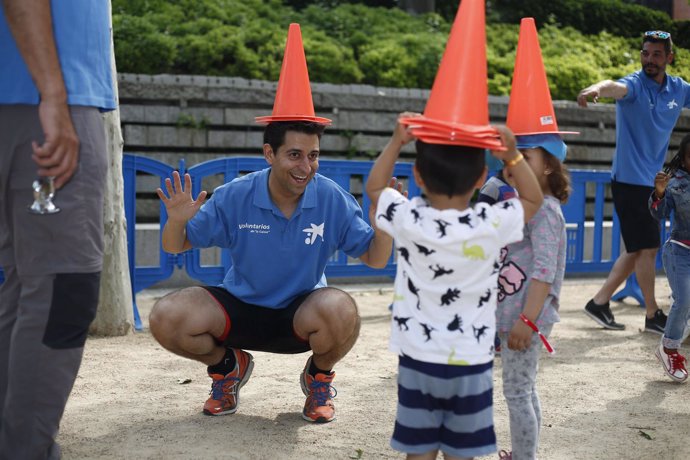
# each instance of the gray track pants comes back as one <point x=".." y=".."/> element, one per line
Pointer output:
<point x="520" y="390"/>
<point x="52" y="267"/>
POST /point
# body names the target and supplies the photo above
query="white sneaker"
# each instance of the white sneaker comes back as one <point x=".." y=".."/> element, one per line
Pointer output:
<point x="674" y="363"/>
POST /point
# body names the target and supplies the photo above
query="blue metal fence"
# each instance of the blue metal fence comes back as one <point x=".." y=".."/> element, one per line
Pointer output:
<point x="347" y="174"/>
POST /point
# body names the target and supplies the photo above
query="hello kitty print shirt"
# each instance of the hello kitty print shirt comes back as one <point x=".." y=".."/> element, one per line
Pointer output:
<point x="448" y="262"/>
<point x="541" y="256"/>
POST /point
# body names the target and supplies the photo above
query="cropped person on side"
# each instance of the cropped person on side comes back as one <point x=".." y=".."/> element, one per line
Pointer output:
<point x="672" y="195"/>
<point x="55" y="78"/>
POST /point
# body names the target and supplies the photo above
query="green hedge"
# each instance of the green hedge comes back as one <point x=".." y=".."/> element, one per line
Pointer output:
<point x="587" y="16"/>
<point x="353" y="43"/>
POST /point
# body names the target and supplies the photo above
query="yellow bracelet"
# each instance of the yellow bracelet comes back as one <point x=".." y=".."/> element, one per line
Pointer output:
<point x="515" y="160"/>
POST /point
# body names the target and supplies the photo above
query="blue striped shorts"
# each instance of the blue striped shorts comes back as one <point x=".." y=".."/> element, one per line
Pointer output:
<point x="444" y="407"/>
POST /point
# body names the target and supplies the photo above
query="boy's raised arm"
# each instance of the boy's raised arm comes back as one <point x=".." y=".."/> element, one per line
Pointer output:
<point x="380" y="177"/>
<point x="382" y="171"/>
<point x="526" y="183"/>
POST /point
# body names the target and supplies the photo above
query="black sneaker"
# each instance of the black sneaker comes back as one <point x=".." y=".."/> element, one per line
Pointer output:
<point x="656" y="323"/>
<point x="602" y="315"/>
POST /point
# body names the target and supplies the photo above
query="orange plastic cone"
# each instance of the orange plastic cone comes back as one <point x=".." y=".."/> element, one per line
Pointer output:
<point x="457" y="111"/>
<point x="293" y="100"/>
<point x="530" y="110"/>
<point x="460" y="90"/>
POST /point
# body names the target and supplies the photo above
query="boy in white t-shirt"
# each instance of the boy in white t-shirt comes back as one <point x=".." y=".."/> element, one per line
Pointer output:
<point x="444" y="311"/>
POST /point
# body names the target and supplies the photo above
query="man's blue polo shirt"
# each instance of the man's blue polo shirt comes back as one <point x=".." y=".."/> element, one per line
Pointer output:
<point x="275" y="259"/>
<point x="82" y="36"/>
<point x="645" y="118"/>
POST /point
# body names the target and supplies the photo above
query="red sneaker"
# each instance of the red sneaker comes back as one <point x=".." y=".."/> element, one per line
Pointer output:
<point x="319" y="407"/>
<point x="225" y="390"/>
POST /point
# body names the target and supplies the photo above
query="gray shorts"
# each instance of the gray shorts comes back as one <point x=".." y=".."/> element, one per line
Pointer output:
<point x="70" y="241"/>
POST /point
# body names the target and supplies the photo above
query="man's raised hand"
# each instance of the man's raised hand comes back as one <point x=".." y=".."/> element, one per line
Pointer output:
<point x="179" y="202"/>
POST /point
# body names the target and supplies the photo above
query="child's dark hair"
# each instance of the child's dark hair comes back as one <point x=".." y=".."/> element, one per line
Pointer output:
<point x="676" y="162"/>
<point x="449" y="169"/>
<point x="559" y="179"/>
<point x="274" y="133"/>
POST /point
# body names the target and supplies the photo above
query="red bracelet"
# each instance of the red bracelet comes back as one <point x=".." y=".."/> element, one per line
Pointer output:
<point x="534" y="327"/>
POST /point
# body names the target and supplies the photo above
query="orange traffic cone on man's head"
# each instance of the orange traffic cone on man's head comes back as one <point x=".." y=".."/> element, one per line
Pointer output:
<point x="457" y="111"/>
<point x="530" y="110"/>
<point x="293" y="100"/>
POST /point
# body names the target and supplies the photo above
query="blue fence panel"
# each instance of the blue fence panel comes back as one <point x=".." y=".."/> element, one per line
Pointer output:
<point x="145" y="276"/>
<point x="574" y="212"/>
<point x="142" y="277"/>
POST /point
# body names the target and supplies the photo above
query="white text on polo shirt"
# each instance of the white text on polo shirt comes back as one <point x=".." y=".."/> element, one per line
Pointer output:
<point x="312" y="232"/>
<point x="255" y="228"/>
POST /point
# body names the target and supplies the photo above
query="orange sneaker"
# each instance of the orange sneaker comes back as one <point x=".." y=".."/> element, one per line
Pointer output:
<point x="319" y="407"/>
<point x="225" y="390"/>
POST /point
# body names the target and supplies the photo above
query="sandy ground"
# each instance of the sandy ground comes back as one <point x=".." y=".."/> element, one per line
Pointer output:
<point x="604" y="396"/>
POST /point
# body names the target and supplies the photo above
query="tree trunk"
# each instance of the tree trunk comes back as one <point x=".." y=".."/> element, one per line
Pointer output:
<point x="115" y="315"/>
<point x="418" y="6"/>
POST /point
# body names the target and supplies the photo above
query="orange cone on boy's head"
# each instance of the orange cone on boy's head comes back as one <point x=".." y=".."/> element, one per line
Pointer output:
<point x="530" y="110"/>
<point x="293" y="100"/>
<point x="457" y="111"/>
<point x="460" y="90"/>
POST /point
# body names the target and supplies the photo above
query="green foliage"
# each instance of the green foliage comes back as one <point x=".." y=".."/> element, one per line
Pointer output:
<point x="300" y="4"/>
<point x="141" y="47"/>
<point x="185" y="120"/>
<point x="408" y="60"/>
<point x="588" y="16"/>
<point x="327" y="59"/>
<point x="681" y="33"/>
<point x="346" y="42"/>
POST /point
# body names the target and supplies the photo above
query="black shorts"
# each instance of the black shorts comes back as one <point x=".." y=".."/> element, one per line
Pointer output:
<point x="639" y="229"/>
<point x="252" y="327"/>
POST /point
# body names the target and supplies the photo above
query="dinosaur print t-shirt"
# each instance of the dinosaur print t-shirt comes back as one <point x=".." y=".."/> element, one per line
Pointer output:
<point x="444" y="309"/>
<point x="540" y="256"/>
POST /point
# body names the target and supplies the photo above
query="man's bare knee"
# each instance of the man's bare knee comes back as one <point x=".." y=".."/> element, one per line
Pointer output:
<point x="341" y="308"/>
<point x="328" y="309"/>
<point x="164" y="320"/>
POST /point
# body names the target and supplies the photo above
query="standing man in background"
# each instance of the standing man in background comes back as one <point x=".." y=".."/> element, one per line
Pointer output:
<point x="55" y="78"/>
<point x="648" y="104"/>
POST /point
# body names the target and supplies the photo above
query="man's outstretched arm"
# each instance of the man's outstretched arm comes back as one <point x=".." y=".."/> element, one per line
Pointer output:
<point x="605" y="88"/>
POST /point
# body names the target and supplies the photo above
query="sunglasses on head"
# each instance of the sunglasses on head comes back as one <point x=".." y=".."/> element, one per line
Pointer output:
<point x="660" y="34"/>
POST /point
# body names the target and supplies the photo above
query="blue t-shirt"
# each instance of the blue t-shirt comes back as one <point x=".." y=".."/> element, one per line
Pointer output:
<point x="645" y="118"/>
<point x="275" y="259"/>
<point x="82" y="36"/>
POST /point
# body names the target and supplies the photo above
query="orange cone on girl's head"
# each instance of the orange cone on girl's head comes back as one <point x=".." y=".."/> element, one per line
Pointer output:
<point x="293" y="100"/>
<point x="530" y="110"/>
<point x="457" y="111"/>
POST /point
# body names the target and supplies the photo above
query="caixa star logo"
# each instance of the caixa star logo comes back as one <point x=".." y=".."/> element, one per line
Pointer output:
<point x="312" y="232"/>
